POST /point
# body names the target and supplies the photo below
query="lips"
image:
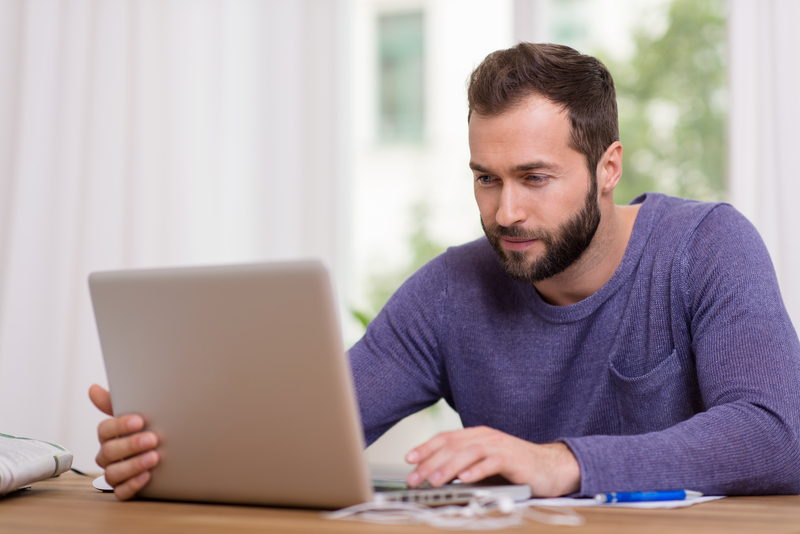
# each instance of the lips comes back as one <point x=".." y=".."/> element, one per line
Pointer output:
<point x="512" y="243"/>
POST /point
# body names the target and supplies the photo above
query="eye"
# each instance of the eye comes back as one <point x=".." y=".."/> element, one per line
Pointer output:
<point x="484" y="179"/>
<point x="536" y="178"/>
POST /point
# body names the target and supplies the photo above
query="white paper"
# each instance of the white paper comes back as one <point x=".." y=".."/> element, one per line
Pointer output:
<point x="23" y="461"/>
<point x="584" y="502"/>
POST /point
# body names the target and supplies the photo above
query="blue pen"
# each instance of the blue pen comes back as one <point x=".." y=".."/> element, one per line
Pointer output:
<point x="646" y="496"/>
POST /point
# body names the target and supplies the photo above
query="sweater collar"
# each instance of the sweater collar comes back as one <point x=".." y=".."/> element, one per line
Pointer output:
<point x="642" y="229"/>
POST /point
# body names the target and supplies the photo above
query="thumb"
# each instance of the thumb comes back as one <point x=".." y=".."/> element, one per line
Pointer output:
<point x="101" y="398"/>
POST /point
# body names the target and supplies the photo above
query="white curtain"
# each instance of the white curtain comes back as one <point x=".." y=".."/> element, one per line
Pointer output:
<point x="151" y="132"/>
<point x="764" y="79"/>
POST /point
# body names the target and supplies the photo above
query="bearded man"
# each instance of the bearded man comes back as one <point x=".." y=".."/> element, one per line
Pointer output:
<point x="587" y="347"/>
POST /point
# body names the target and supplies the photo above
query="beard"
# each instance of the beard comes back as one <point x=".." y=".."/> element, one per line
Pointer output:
<point x="563" y="246"/>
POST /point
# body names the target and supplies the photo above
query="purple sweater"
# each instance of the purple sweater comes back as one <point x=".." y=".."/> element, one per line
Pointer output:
<point x="681" y="372"/>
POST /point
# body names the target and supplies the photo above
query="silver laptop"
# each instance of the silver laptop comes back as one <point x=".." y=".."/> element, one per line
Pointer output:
<point x="241" y="371"/>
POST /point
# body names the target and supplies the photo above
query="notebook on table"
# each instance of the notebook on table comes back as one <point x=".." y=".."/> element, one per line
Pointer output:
<point x="241" y="371"/>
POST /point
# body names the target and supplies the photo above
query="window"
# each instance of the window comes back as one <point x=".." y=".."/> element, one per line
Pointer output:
<point x="401" y="50"/>
<point x="669" y="63"/>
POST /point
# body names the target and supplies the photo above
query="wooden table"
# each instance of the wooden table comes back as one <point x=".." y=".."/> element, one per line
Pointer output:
<point x="70" y="504"/>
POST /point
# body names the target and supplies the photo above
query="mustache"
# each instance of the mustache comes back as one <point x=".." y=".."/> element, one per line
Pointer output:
<point x="514" y="232"/>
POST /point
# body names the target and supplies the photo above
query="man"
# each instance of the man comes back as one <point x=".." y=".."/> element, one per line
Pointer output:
<point x="587" y="347"/>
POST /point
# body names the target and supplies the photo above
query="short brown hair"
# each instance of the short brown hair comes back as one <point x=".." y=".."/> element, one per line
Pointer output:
<point x="580" y="84"/>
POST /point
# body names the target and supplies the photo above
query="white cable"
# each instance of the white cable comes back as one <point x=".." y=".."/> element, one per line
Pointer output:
<point x="560" y="516"/>
<point x="484" y="512"/>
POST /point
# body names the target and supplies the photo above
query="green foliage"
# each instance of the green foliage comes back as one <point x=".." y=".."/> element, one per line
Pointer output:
<point x="423" y="250"/>
<point x="672" y="106"/>
<point x="383" y="286"/>
<point x="672" y="109"/>
<point x="362" y="317"/>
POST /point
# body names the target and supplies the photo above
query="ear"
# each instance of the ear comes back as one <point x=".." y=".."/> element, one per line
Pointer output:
<point x="609" y="168"/>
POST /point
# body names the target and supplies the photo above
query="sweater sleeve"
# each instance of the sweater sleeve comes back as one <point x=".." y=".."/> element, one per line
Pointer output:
<point x="396" y="365"/>
<point x="747" y="359"/>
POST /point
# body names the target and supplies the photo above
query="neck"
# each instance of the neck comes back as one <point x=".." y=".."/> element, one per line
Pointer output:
<point x="598" y="263"/>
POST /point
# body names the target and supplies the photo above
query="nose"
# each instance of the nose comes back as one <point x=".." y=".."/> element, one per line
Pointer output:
<point x="511" y="210"/>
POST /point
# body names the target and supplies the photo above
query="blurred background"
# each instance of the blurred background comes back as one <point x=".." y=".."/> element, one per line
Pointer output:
<point x="141" y="133"/>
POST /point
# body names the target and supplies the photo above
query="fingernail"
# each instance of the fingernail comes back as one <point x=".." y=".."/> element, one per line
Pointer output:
<point x="465" y="475"/>
<point x="146" y="441"/>
<point x="150" y="459"/>
<point x="435" y="477"/>
<point x="413" y="479"/>
<point x="135" y="423"/>
<point x="412" y="457"/>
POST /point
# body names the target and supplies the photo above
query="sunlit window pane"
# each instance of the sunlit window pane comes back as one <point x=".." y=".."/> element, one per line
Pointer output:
<point x="401" y="52"/>
<point x="670" y="70"/>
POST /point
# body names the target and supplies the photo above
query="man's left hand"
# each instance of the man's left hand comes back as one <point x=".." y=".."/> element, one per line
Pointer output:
<point x="472" y="454"/>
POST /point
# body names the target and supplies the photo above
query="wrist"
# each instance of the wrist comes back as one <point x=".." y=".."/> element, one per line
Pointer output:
<point x="567" y="469"/>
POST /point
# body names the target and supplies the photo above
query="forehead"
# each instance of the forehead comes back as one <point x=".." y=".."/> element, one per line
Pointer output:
<point x="535" y="128"/>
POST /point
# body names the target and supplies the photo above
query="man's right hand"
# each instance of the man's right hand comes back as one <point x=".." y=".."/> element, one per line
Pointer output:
<point x="126" y="453"/>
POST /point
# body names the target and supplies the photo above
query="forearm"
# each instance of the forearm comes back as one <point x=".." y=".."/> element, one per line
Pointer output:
<point x="396" y="365"/>
<point x="731" y="449"/>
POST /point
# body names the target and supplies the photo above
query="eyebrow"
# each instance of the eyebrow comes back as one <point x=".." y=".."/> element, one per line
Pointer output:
<point x="532" y="166"/>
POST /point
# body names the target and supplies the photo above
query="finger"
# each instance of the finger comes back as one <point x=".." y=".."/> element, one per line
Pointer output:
<point x="424" y="451"/>
<point x="438" y="468"/>
<point x="118" y="473"/>
<point x="118" y="449"/>
<point x="456" y="450"/>
<point x="424" y="469"/>
<point x="131" y="487"/>
<point x="457" y="463"/>
<point x="420" y="453"/>
<point x="101" y="399"/>
<point x="428" y="457"/>
<point x="119" y="426"/>
<point x="486" y="467"/>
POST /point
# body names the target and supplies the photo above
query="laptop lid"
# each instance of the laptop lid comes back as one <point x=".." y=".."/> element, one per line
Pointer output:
<point x="241" y="371"/>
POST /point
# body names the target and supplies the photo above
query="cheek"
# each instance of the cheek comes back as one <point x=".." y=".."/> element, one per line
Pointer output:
<point x="558" y="203"/>
<point x="487" y="203"/>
